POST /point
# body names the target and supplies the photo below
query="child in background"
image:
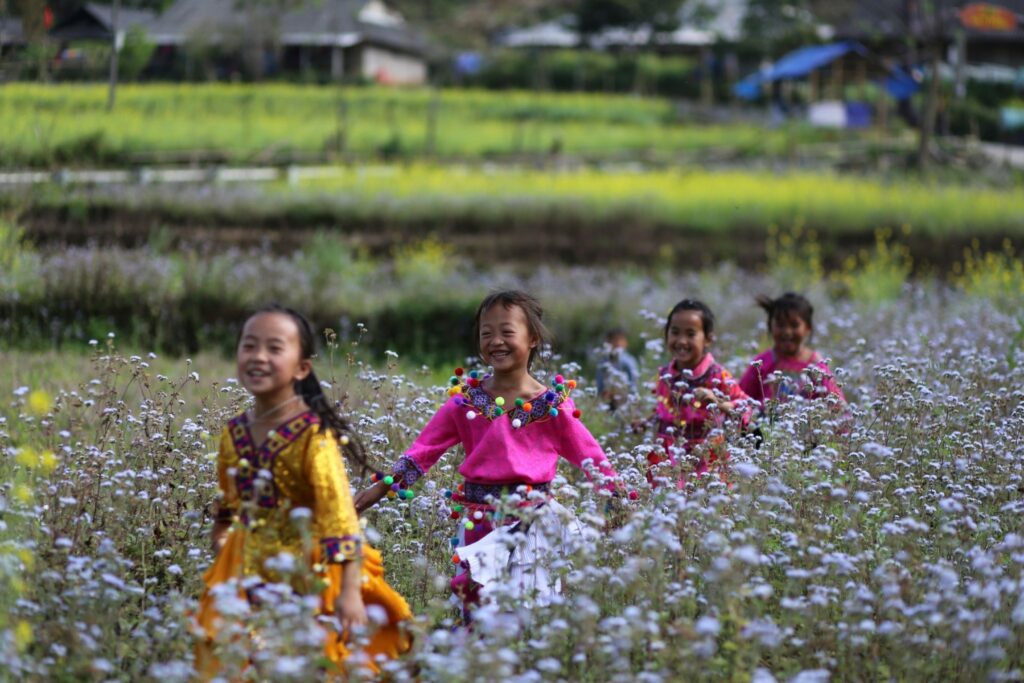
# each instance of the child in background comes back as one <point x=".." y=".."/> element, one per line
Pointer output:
<point x="790" y="323"/>
<point x="617" y="370"/>
<point x="695" y="394"/>
<point x="513" y="429"/>
<point x="285" y="454"/>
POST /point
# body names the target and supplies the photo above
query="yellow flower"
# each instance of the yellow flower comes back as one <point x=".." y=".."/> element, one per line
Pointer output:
<point x="28" y="458"/>
<point x="47" y="461"/>
<point x="39" y="402"/>
<point x="22" y="635"/>
<point x="23" y="493"/>
<point x="27" y="558"/>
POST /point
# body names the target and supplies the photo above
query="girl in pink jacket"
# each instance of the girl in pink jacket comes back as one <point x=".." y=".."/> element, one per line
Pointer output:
<point x="512" y="427"/>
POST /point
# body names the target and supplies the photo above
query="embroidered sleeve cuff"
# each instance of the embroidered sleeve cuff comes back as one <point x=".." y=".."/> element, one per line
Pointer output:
<point x="406" y="471"/>
<point x="338" y="550"/>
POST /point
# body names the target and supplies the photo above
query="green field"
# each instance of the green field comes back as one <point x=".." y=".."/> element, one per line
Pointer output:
<point x="48" y="125"/>
<point x="578" y="215"/>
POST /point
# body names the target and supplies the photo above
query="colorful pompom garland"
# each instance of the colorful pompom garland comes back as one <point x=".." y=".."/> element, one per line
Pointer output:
<point x="395" y="488"/>
<point x="468" y="392"/>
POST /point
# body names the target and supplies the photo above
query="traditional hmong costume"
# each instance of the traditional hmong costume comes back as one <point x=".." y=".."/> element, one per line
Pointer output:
<point x="509" y="449"/>
<point x="298" y="466"/>
<point x="683" y="421"/>
<point x="793" y="379"/>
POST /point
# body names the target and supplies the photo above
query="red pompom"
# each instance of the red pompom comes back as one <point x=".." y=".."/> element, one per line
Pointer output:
<point x="576" y="413"/>
<point x="458" y="372"/>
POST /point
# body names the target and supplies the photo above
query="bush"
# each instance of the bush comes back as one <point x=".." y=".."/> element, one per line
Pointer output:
<point x="135" y="54"/>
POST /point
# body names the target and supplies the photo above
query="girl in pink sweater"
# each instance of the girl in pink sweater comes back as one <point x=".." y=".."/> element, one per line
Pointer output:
<point x="512" y="427"/>
<point x="695" y="394"/>
<point x="782" y="371"/>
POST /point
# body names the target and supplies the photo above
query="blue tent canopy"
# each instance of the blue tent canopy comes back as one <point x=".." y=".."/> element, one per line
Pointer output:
<point x="797" y="64"/>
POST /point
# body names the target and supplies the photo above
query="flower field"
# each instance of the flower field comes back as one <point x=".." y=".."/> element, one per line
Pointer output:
<point x="47" y="126"/>
<point x="892" y="549"/>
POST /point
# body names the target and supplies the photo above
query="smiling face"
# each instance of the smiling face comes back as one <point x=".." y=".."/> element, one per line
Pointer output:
<point x="505" y="339"/>
<point x="686" y="340"/>
<point x="789" y="332"/>
<point x="270" y="357"/>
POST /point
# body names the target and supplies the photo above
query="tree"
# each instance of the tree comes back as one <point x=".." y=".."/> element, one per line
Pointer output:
<point x="594" y="16"/>
<point x="930" y="21"/>
<point x="773" y="27"/>
<point x="115" y="30"/>
<point x="36" y="19"/>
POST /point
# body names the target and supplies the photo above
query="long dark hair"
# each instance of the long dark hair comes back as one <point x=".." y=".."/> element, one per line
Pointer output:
<point x="313" y="394"/>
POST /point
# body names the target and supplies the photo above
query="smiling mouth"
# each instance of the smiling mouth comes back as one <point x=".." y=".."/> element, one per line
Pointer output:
<point x="256" y="374"/>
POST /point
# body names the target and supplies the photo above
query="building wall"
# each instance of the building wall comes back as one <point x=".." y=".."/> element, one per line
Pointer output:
<point x="392" y="67"/>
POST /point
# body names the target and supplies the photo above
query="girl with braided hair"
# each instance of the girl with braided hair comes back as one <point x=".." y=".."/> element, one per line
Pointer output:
<point x="283" y="454"/>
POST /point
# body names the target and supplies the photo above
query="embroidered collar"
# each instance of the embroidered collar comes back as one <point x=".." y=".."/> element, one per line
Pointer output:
<point x="476" y="401"/>
<point x="253" y="477"/>
<point x="699" y="374"/>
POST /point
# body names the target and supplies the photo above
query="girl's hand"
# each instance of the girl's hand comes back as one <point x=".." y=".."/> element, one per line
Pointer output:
<point x="219" y="536"/>
<point x="639" y="426"/>
<point x="350" y="610"/>
<point x="367" y="498"/>
<point x="705" y="395"/>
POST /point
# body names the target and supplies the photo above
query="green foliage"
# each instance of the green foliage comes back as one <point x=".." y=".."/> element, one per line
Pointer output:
<point x="135" y="54"/>
<point x="590" y="70"/>
<point x="878" y="275"/>
<point x="19" y="263"/>
<point x="996" y="276"/>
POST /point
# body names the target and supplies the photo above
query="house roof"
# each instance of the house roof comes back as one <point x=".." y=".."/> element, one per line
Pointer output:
<point x="96" y="22"/>
<point x="697" y="26"/>
<point x="314" y="22"/>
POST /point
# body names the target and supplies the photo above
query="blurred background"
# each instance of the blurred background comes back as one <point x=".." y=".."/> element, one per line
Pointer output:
<point x="165" y="166"/>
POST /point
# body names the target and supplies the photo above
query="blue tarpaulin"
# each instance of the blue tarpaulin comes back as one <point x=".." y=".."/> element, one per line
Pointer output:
<point x="800" y="63"/>
<point x="796" y="64"/>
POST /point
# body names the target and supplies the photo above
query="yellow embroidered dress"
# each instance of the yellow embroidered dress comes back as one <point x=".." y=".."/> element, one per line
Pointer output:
<point x="298" y="466"/>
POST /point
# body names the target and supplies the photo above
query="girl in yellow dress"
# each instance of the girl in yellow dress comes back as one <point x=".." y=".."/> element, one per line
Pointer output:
<point x="284" y="454"/>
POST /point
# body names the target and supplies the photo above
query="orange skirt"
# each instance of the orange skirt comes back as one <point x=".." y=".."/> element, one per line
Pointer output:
<point x="389" y="640"/>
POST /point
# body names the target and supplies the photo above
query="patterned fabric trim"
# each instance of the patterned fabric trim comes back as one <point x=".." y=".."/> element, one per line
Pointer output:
<point x="344" y="549"/>
<point x="406" y="471"/>
<point x="692" y="383"/>
<point x="253" y="478"/>
<point x="478" y="493"/>
<point x="540" y="407"/>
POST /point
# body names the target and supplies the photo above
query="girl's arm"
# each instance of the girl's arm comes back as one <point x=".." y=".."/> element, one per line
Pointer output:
<point x="337" y="525"/>
<point x="219" y="536"/>
<point x="440" y="434"/>
<point x="579" y="445"/>
<point x="727" y="397"/>
<point x="349" y="604"/>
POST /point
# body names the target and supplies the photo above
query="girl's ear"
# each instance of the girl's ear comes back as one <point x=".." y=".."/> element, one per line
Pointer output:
<point x="305" y="367"/>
